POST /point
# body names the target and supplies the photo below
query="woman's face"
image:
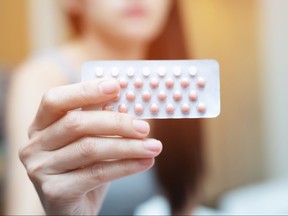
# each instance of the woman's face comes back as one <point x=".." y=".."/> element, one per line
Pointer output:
<point x="129" y="20"/>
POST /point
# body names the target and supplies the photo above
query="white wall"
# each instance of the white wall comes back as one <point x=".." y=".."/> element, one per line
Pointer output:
<point x="47" y="27"/>
<point x="274" y="55"/>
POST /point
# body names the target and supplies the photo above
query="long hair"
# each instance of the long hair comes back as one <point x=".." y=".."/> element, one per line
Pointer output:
<point x="179" y="168"/>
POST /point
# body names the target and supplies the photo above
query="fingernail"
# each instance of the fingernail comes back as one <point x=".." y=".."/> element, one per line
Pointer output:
<point x="145" y="162"/>
<point x="141" y="126"/>
<point x="153" y="145"/>
<point x="109" y="86"/>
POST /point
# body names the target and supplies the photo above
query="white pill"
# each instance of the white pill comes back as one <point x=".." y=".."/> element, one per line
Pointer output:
<point x="146" y="71"/>
<point x="177" y="71"/>
<point x="192" y="71"/>
<point x="130" y="72"/>
<point x="114" y="71"/>
<point x="161" y="71"/>
<point x="99" y="71"/>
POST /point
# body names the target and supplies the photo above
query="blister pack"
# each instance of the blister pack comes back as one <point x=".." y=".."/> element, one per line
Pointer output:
<point x="152" y="89"/>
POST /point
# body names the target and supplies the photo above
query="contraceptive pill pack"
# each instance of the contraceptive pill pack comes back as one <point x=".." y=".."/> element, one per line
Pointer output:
<point x="152" y="89"/>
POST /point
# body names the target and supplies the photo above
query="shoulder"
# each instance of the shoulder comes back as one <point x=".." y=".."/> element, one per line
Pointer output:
<point x="31" y="80"/>
<point x="40" y="69"/>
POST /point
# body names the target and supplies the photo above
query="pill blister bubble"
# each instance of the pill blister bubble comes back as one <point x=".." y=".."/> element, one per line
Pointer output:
<point x="138" y="83"/>
<point x="114" y="71"/>
<point x="192" y="71"/>
<point x="201" y="108"/>
<point x="130" y="96"/>
<point x="193" y="96"/>
<point x="138" y="109"/>
<point x="161" y="71"/>
<point x="162" y="95"/>
<point x="154" y="109"/>
<point x="185" y="108"/>
<point x="177" y="71"/>
<point x="154" y="83"/>
<point x="123" y="108"/>
<point x="146" y="96"/>
<point x="99" y="72"/>
<point x="130" y="71"/>
<point x="169" y="83"/>
<point x="146" y="71"/>
<point x="123" y="83"/>
<point x="201" y="82"/>
<point x="185" y="83"/>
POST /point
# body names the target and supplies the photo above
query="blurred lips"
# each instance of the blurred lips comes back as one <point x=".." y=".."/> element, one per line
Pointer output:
<point x="135" y="11"/>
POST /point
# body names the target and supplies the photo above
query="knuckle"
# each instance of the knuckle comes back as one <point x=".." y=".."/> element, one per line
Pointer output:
<point x="51" y="192"/>
<point x="97" y="171"/>
<point x="128" y="149"/>
<point x="84" y="91"/>
<point x="30" y="131"/>
<point x="50" y="99"/>
<point x="34" y="169"/>
<point x="86" y="147"/>
<point x="125" y="168"/>
<point x="119" y="121"/>
<point x="24" y="152"/>
<point x="72" y="121"/>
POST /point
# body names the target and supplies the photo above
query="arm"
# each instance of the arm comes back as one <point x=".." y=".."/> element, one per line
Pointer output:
<point x="27" y="86"/>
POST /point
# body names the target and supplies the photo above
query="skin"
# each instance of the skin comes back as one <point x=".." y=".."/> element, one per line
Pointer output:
<point x="68" y="162"/>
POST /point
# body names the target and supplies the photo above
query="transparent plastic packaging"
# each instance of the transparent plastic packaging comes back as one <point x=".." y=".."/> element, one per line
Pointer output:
<point x="152" y="89"/>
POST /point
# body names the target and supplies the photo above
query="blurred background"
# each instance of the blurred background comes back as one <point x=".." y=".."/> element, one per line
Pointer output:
<point x="246" y="147"/>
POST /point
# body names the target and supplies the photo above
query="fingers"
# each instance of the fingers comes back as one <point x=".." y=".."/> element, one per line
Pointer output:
<point x="90" y="178"/>
<point x="77" y="124"/>
<point x="58" y="101"/>
<point x="90" y="150"/>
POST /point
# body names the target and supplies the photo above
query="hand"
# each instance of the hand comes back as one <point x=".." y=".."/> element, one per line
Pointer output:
<point x="72" y="154"/>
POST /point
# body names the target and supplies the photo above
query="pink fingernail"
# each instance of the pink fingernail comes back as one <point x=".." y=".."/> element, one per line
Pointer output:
<point x="153" y="145"/>
<point x="145" y="162"/>
<point x="109" y="86"/>
<point x="141" y="126"/>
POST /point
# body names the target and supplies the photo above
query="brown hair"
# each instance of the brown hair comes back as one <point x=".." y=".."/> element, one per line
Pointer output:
<point x="179" y="168"/>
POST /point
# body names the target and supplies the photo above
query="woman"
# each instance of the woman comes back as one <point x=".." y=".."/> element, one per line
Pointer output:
<point x="68" y="163"/>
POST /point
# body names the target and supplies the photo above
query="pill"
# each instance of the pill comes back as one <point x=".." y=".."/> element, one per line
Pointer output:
<point x="177" y="95"/>
<point x="123" y="83"/>
<point x="169" y="83"/>
<point x="201" y="108"/>
<point x="170" y="109"/>
<point x="185" y="108"/>
<point x="154" y="83"/>
<point x="130" y="96"/>
<point x="130" y="72"/>
<point x="146" y="71"/>
<point x="146" y="96"/>
<point x="162" y="95"/>
<point x="192" y="71"/>
<point x="193" y="96"/>
<point x="107" y="107"/>
<point x="138" y="83"/>
<point x="98" y="71"/>
<point x="161" y="71"/>
<point x="154" y="109"/>
<point x="201" y="82"/>
<point x="114" y="71"/>
<point x="185" y="83"/>
<point x="122" y="108"/>
<point x="138" y="109"/>
<point x="177" y="71"/>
